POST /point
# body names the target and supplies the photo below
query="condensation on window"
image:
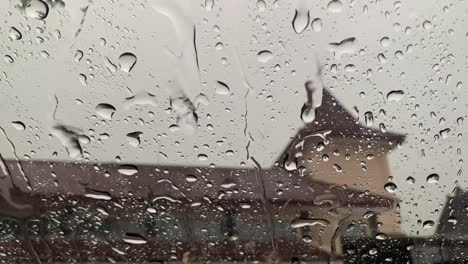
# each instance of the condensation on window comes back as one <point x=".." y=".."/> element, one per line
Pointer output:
<point x="206" y="131"/>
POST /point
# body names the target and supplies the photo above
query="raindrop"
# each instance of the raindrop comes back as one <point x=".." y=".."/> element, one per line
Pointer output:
<point x="428" y="224"/>
<point x="191" y="178"/>
<point x="18" y="125"/>
<point x="346" y="46"/>
<point x="335" y="6"/>
<point x="427" y="24"/>
<point x="390" y="187"/>
<point x="264" y="56"/>
<point x="290" y="165"/>
<point x="37" y="9"/>
<point x="381" y="236"/>
<point x="222" y="88"/>
<point x="83" y="79"/>
<point x="140" y="98"/>
<point x="102" y="211"/>
<point x="316" y="24"/>
<point x="15" y="34"/>
<point x="98" y="195"/>
<point x="128" y="170"/>
<point x="219" y="46"/>
<point x="433" y="178"/>
<point x="209" y="5"/>
<point x="134" y="239"/>
<point x="78" y="55"/>
<point x="44" y="54"/>
<point x="110" y="66"/>
<point x="381" y="57"/>
<point x="134" y="138"/>
<point x="68" y="136"/>
<point x="350" y="68"/>
<point x="369" y="118"/>
<point x="245" y="205"/>
<point x="314" y="101"/>
<point x="228" y="183"/>
<point x="9" y="59"/>
<point x="261" y="5"/>
<point x="298" y="223"/>
<point x="300" y="20"/>
<point x="395" y="95"/>
<point x="385" y="42"/>
<point x="83" y="139"/>
<point x="399" y="55"/>
<point x="444" y="133"/>
<point x="127" y="61"/>
<point x="337" y="168"/>
<point x="105" y="111"/>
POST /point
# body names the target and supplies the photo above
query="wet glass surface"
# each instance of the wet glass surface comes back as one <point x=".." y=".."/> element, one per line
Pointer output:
<point x="249" y="131"/>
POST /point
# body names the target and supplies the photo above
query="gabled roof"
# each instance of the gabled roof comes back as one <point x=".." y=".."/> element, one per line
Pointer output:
<point x="332" y="116"/>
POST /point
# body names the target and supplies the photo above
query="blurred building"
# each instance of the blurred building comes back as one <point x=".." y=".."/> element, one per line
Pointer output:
<point x="328" y="184"/>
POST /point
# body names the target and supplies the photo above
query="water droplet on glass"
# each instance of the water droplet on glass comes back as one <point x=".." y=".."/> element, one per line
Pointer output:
<point x="264" y="56"/>
<point x="290" y="165"/>
<point x="433" y="178"/>
<point x="337" y="168"/>
<point x="221" y="88"/>
<point x="15" y="34"/>
<point x="298" y="223"/>
<point x="68" y="137"/>
<point x="300" y="20"/>
<point x="209" y="5"/>
<point x="128" y="170"/>
<point x="134" y="138"/>
<point x="395" y="95"/>
<point x="245" y="205"/>
<point x="316" y="24"/>
<point x="127" y="61"/>
<point x="369" y="118"/>
<point x="399" y="55"/>
<point x="9" y="59"/>
<point x="202" y="157"/>
<point x="110" y="66"/>
<point x="381" y="236"/>
<point x="335" y="6"/>
<point x="83" y="79"/>
<point x="385" y="42"/>
<point x="346" y="46"/>
<point x="191" y="178"/>
<point x="228" y="183"/>
<point x="314" y="101"/>
<point x="37" y="9"/>
<point x="390" y="187"/>
<point x="381" y="57"/>
<point x="98" y="195"/>
<point x="261" y="5"/>
<point x="18" y="125"/>
<point x="428" y="224"/>
<point x="134" y="239"/>
<point x="105" y="111"/>
<point x="427" y="24"/>
<point x="78" y="55"/>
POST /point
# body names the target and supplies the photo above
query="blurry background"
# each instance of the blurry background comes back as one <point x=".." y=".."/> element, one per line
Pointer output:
<point x="369" y="95"/>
